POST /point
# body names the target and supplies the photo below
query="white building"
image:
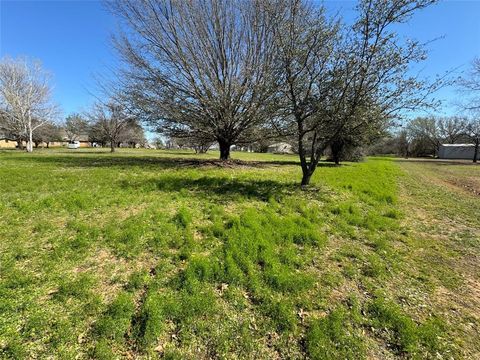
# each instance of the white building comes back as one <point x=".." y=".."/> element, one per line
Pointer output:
<point x="280" y="148"/>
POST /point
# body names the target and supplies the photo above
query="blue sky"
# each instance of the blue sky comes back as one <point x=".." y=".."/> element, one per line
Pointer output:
<point x="71" y="38"/>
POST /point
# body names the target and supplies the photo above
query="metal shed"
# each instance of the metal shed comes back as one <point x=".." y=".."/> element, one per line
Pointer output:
<point x="456" y="151"/>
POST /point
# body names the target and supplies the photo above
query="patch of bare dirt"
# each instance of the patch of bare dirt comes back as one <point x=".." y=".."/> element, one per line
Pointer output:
<point x="465" y="184"/>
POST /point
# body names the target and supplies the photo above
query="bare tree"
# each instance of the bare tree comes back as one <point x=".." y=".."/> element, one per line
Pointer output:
<point x="47" y="133"/>
<point x="12" y="131"/>
<point x="426" y="129"/>
<point x="403" y="143"/>
<point x="198" y="68"/>
<point x="473" y="133"/>
<point x="470" y="85"/>
<point x="342" y="83"/>
<point x="451" y="129"/>
<point x="133" y="134"/>
<point x="75" y="125"/>
<point x="111" y="121"/>
<point x="305" y="45"/>
<point x="435" y="131"/>
<point x="25" y="97"/>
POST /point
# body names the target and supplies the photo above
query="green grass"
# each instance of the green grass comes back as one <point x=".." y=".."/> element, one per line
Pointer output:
<point x="149" y="254"/>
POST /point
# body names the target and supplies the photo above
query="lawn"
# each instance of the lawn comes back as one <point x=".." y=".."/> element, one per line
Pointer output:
<point x="146" y="253"/>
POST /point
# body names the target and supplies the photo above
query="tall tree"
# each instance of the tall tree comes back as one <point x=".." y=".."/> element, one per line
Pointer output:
<point x="470" y="85"/>
<point x="25" y="97"/>
<point x="403" y="143"/>
<point x="451" y="129"/>
<point x="198" y="68"/>
<point x="133" y="134"/>
<point x="434" y="131"/>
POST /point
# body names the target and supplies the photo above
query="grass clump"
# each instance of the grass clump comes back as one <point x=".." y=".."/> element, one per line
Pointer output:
<point x="183" y="217"/>
<point x="403" y="333"/>
<point x="103" y="350"/>
<point x="115" y="322"/>
<point x="149" y="324"/>
<point x="80" y="288"/>
<point x="281" y="313"/>
<point x="334" y="337"/>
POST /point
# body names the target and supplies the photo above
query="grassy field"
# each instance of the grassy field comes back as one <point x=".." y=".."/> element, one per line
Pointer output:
<point x="145" y="254"/>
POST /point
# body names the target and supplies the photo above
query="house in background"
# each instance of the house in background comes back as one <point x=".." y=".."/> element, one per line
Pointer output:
<point x="6" y="143"/>
<point x="280" y="148"/>
<point x="456" y="151"/>
<point x="83" y="140"/>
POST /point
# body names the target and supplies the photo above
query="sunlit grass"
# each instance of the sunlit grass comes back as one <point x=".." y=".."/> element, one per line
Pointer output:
<point x="150" y="253"/>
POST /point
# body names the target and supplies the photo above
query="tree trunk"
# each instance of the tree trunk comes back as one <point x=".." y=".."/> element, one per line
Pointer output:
<point x="306" y="171"/>
<point x="112" y="147"/>
<point x="336" y="147"/>
<point x="30" y="141"/>
<point x="306" y="178"/>
<point x="48" y="144"/>
<point x="475" y="153"/>
<point x="224" y="150"/>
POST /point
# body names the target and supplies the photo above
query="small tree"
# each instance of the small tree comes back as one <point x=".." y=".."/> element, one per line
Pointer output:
<point x="134" y="134"/>
<point x="305" y="42"/>
<point x="342" y="83"/>
<point x="25" y="97"/>
<point x="158" y="143"/>
<point x="75" y="125"/>
<point x="111" y="121"/>
<point x="47" y="133"/>
<point x="12" y="131"/>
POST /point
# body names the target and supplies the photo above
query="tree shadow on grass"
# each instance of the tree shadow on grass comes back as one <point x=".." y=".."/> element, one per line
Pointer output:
<point x="95" y="160"/>
<point x="214" y="187"/>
